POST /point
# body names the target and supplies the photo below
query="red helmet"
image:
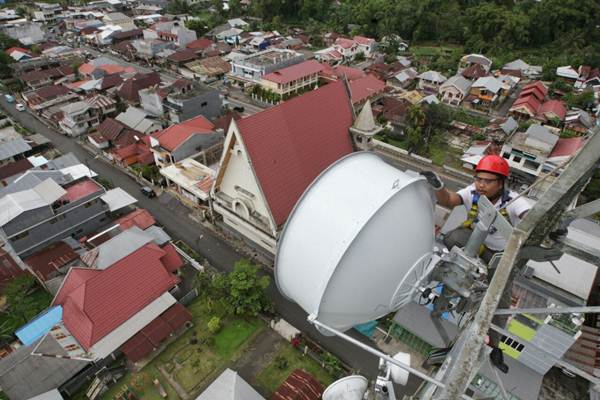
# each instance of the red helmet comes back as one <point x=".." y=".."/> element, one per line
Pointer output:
<point x="494" y="164"/>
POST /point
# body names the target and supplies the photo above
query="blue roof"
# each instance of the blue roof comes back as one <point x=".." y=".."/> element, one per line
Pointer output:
<point x="39" y="326"/>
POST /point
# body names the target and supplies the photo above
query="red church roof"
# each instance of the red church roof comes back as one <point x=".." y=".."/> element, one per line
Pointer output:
<point x="96" y="302"/>
<point x="290" y="144"/>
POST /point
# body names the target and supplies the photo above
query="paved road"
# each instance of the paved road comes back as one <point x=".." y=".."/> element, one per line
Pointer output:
<point x="220" y="254"/>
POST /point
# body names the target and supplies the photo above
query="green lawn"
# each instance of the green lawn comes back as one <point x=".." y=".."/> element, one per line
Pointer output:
<point x="233" y="335"/>
<point x="273" y="375"/>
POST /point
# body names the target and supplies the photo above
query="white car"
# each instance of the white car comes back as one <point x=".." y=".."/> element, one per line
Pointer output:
<point x="20" y="107"/>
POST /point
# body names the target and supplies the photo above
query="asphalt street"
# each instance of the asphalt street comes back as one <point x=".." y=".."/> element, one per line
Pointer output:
<point x="218" y="253"/>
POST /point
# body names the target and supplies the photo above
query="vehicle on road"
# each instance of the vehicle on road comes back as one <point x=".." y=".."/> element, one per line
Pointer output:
<point x="148" y="192"/>
<point x="20" y="107"/>
<point x="239" y="109"/>
<point x="9" y="98"/>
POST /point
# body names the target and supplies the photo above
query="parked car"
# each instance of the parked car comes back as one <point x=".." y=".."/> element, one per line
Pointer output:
<point x="148" y="192"/>
<point x="239" y="109"/>
<point x="20" y="107"/>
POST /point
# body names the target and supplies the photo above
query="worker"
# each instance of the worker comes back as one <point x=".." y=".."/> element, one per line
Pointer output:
<point x="491" y="174"/>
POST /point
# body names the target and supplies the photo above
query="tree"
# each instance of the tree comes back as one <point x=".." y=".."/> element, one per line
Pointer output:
<point x="247" y="289"/>
<point x="197" y="25"/>
<point x="585" y="100"/>
<point x="8" y="42"/>
<point x="235" y="8"/>
<point x="360" y="57"/>
<point x="214" y="324"/>
<point x="178" y="7"/>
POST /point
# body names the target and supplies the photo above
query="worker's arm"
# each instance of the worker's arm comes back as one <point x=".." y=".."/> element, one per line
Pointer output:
<point x="444" y="196"/>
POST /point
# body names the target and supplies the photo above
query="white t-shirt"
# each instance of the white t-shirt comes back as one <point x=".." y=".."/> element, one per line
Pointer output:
<point x="495" y="241"/>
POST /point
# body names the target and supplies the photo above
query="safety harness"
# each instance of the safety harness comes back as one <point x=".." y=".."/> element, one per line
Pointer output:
<point x="474" y="211"/>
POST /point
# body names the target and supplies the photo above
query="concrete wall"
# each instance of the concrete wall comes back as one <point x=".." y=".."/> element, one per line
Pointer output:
<point x="208" y="104"/>
<point x="195" y="144"/>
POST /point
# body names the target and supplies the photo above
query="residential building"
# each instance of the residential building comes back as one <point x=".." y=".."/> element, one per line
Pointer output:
<point x="9" y="172"/>
<point x="207" y="69"/>
<point x="80" y="116"/>
<point x="19" y="54"/>
<point x="171" y="31"/>
<point x="301" y="137"/>
<point x="52" y="261"/>
<point x="365" y="88"/>
<point x="26" y="32"/>
<point x="181" y="57"/>
<point x="190" y="179"/>
<point x="528" y="151"/>
<point x="567" y="73"/>
<point x="148" y="49"/>
<point x="119" y="19"/>
<point x="113" y="133"/>
<point x="404" y="78"/>
<point x="455" y="90"/>
<point x="48" y="96"/>
<point x="183" y="140"/>
<point x="139" y="120"/>
<point x="485" y="92"/>
<point x="252" y="67"/>
<point x="198" y="99"/>
<point x="36" y="79"/>
<point x="529" y="101"/>
<point x="57" y="206"/>
<point x="385" y="71"/>
<point x="129" y="90"/>
<point x="230" y="36"/>
<point x="229" y="386"/>
<point x="199" y="46"/>
<point x="367" y="46"/>
<point x="152" y="98"/>
<point x="430" y="81"/>
<point x="474" y="59"/>
<point x="12" y="145"/>
<point x="521" y="69"/>
<point x="290" y="80"/>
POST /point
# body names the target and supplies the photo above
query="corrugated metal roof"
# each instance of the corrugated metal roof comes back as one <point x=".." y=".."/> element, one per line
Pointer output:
<point x="13" y="147"/>
<point x="117" y="198"/>
<point x="39" y="326"/>
<point x="116" y="248"/>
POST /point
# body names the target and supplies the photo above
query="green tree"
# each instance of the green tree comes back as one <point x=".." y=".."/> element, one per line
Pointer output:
<point x="246" y="288"/>
<point x="178" y="7"/>
<point x="197" y="25"/>
<point x="235" y="8"/>
<point x="584" y="100"/>
<point x="8" y="42"/>
<point x="214" y="324"/>
<point x="21" y="305"/>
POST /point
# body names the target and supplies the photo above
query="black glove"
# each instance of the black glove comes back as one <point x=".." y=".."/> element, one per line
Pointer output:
<point x="433" y="179"/>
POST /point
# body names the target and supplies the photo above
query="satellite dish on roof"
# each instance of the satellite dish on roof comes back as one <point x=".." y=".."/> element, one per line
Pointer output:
<point x="358" y="242"/>
<point x="348" y="388"/>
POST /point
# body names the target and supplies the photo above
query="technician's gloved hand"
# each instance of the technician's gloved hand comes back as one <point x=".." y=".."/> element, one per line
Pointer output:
<point x="433" y="179"/>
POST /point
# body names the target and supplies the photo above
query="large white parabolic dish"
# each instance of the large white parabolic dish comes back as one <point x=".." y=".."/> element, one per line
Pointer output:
<point x="357" y="243"/>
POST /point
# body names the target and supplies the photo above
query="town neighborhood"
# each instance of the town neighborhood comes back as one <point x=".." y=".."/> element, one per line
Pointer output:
<point x="153" y="152"/>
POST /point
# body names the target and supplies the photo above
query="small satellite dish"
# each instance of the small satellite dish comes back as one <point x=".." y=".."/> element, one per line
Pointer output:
<point x="358" y="242"/>
<point x="399" y="375"/>
<point x="351" y="387"/>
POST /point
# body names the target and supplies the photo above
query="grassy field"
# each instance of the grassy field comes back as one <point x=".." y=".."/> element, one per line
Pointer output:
<point x="273" y="374"/>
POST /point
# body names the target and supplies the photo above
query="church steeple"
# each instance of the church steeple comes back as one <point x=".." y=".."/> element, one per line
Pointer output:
<point x="364" y="128"/>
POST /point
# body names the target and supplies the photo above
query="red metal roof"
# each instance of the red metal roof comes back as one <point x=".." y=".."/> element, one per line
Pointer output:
<point x="342" y="71"/>
<point x="567" y="146"/>
<point x="199" y="44"/>
<point x="554" y="108"/>
<point x="80" y="189"/>
<point x="14" y="168"/>
<point x="171" y="260"/>
<point x="538" y="86"/>
<point x="49" y="260"/>
<point x="140" y="218"/>
<point x="290" y="144"/>
<point x="365" y="41"/>
<point x="366" y="87"/>
<point x="300" y="385"/>
<point x="110" y="128"/>
<point x="345" y="43"/>
<point x="182" y="55"/>
<point x="531" y="103"/>
<point x="294" y="72"/>
<point x="146" y="340"/>
<point x="97" y="302"/>
<point x="175" y="135"/>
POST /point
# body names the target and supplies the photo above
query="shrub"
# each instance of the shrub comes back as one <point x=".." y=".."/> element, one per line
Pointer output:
<point x="214" y="324"/>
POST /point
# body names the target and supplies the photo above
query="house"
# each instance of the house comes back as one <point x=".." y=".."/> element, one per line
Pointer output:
<point x="47" y="13"/>
<point x="528" y="151"/>
<point x="552" y="110"/>
<point x="171" y="31"/>
<point x="113" y="133"/>
<point x="521" y="69"/>
<point x="102" y="314"/>
<point x="48" y="96"/>
<point x="57" y="206"/>
<point x="132" y="34"/>
<point x="289" y="80"/>
<point x="36" y="79"/>
<point x="207" y="69"/>
<point x="567" y="73"/>
<point x="237" y="23"/>
<point x="119" y="19"/>
<point x="229" y="386"/>
<point x="129" y="90"/>
<point x="13" y="146"/>
<point x="138" y="152"/>
<point x="230" y="36"/>
<point x="385" y="71"/>
<point x="404" y="78"/>
<point x="9" y="172"/>
<point x="197" y="99"/>
<point x="529" y="101"/>
<point x="190" y="180"/>
<point x="183" y="140"/>
<point x="474" y="71"/>
<point x="139" y="120"/>
<point x="366" y="45"/>
<point x="152" y="98"/>
<point x="250" y="68"/>
<point x="148" y="49"/>
<point x="26" y="32"/>
<point x="588" y="77"/>
<point x="430" y="81"/>
<point x="579" y="121"/>
<point x="329" y="56"/>
<point x="366" y="88"/>
<point x="78" y="118"/>
<point x="455" y="90"/>
<point x="19" y="53"/>
<point x="199" y="46"/>
<point x="52" y="261"/>
<point x="485" y="91"/>
<point x="299" y="384"/>
<point x="474" y="59"/>
<point x="181" y="57"/>
<point x="253" y="198"/>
